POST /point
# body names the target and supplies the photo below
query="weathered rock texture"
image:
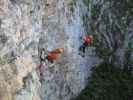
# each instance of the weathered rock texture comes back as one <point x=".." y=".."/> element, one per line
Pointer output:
<point x="26" y="26"/>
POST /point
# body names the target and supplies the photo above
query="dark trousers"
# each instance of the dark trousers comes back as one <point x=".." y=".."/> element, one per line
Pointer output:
<point x="82" y="47"/>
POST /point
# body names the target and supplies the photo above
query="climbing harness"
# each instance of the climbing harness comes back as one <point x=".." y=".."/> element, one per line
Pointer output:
<point x="47" y="4"/>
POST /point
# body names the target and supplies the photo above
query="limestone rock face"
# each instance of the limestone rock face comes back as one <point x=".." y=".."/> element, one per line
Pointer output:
<point x="26" y="26"/>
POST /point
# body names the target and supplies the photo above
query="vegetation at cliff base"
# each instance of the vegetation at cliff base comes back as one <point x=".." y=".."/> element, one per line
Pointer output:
<point x="108" y="82"/>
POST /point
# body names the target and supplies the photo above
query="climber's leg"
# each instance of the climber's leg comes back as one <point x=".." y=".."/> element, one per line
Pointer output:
<point x="82" y="49"/>
<point x="40" y="71"/>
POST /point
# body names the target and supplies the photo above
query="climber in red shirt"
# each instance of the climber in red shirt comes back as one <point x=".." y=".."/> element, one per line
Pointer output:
<point x="87" y="40"/>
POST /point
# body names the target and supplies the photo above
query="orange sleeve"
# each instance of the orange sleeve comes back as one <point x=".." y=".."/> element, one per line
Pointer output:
<point x="52" y="56"/>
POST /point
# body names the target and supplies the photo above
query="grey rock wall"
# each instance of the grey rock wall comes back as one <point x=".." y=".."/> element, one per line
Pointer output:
<point x="25" y="26"/>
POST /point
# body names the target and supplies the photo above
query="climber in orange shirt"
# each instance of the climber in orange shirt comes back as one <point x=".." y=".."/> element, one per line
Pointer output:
<point x="55" y="54"/>
<point x="51" y="56"/>
<point x="87" y="40"/>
